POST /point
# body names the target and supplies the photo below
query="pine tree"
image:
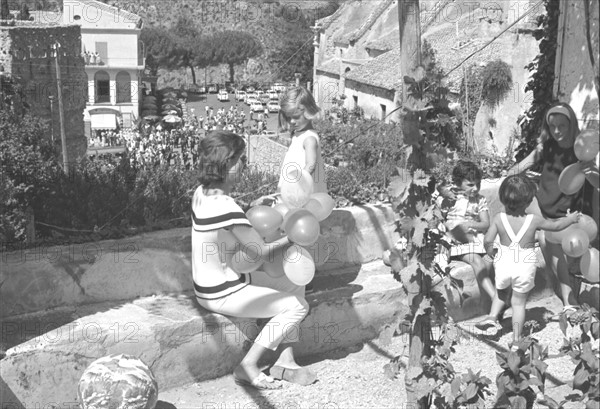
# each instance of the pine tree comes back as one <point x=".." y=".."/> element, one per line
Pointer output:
<point x="4" y="11"/>
<point x="24" y="13"/>
<point x="235" y="47"/>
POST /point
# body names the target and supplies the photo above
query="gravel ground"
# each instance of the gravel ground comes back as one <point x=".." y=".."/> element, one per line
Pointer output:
<point x="353" y="377"/>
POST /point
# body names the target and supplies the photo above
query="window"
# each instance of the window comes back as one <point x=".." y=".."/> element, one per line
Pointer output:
<point x="383" y="112"/>
<point x="102" y="86"/>
<point x="123" y="87"/>
<point x="355" y="97"/>
<point x="102" y="50"/>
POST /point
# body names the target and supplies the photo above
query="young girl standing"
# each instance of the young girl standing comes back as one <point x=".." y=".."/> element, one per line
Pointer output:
<point x="555" y="152"/>
<point x="298" y="109"/>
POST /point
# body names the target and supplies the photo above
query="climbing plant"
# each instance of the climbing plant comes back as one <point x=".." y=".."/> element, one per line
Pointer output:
<point x="542" y="77"/>
<point x="429" y="377"/>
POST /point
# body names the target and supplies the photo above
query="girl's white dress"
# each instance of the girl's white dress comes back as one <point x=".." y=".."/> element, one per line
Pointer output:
<point x="296" y="157"/>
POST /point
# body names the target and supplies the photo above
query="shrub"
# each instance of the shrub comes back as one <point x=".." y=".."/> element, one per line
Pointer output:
<point x="496" y="82"/>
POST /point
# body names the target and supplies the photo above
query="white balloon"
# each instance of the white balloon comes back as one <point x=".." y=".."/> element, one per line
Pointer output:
<point x="298" y="265"/>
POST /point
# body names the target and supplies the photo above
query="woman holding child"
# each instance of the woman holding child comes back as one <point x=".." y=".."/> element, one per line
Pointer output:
<point x="220" y="227"/>
<point x="554" y="153"/>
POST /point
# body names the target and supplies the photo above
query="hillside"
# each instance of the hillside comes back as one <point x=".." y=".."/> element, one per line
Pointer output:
<point x="282" y="27"/>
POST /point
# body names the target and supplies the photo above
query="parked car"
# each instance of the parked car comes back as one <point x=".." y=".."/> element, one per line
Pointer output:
<point x="273" y="95"/>
<point x="257" y="107"/>
<point x="264" y="99"/>
<point x="223" y="96"/>
<point x="212" y="89"/>
<point x="240" y="96"/>
<point x="273" y="106"/>
<point x="251" y="96"/>
<point x="279" y="87"/>
<point x="250" y="88"/>
<point x="250" y="101"/>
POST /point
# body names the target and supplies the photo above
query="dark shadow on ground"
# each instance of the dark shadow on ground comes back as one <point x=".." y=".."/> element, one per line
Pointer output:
<point x="538" y="314"/>
<point x="161" y="404"/>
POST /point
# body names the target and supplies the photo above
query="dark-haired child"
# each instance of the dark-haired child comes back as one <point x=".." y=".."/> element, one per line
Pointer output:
<point x="466" y="219"/>
<point x="515" y="262"/>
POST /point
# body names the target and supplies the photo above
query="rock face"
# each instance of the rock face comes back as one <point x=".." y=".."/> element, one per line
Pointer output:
<point x="119" y="382"/>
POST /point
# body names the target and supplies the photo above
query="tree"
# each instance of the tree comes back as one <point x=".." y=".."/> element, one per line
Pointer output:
<point x="235" y="47"/>
<point x="160" y="47"/>
<point x="185" y="36"/>
<point x="4" y="11"/>
<point x="24" y="13"/>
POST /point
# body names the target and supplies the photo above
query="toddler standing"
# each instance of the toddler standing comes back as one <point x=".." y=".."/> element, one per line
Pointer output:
<point x="515" y="263"/>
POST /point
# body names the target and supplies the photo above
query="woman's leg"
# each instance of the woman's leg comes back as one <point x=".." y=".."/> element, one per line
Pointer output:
<point x="285" y="310"/>
<point x="518" y="302"/>
<point x="557" y="262"/>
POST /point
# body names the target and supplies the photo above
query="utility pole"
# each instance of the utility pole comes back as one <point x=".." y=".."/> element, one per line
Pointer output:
<point x="63" y="136"/>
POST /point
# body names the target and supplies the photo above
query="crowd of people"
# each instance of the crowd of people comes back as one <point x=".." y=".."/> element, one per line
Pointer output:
<point x="156" y="143"/>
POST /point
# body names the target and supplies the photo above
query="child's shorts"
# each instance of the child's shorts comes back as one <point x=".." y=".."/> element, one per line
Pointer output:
<point x="516" y="268"/>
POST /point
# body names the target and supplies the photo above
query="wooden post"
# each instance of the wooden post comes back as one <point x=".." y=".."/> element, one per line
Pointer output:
<point x="61" y="115"/>
<point x="409" y="25"/>
<point x="468" y="121"/>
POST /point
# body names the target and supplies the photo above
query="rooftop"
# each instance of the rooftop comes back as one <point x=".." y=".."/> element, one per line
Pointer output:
<point x="382" y="71"/>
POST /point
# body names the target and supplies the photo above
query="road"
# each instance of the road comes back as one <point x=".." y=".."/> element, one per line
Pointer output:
<point x="199" y="102"/>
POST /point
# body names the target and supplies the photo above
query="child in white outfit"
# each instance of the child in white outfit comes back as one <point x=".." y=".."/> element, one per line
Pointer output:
<point x="298" y="109"/>
<point x="515" y="262"/>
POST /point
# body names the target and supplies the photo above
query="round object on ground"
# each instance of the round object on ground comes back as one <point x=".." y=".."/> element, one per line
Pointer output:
<point x="118" y="382"/>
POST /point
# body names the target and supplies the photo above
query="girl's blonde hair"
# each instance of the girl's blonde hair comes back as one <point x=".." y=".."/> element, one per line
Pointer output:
<point x="293" y="99"/>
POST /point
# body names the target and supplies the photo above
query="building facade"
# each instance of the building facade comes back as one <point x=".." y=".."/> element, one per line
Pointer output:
<point x="114" y="62"/>
<point x="28" y="54"/>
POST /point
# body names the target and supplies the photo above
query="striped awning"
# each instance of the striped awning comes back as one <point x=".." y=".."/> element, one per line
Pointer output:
<point x="104" y="121"/>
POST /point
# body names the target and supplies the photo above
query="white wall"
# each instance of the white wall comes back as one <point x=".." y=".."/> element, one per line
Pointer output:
<point x="574" y="72"/>
<point x="371" y="104"/>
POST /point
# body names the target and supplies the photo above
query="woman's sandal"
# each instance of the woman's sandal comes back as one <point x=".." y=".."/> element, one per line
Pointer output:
<point x="261" y="382"/>
<point x="300" y="376"/>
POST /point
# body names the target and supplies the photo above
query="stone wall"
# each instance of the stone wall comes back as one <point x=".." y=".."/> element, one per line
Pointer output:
<point x="26" y="53"/>
<point x="265" y="154"/>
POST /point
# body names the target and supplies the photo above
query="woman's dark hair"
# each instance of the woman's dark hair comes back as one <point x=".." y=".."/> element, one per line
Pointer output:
<point x="516" y="192"/>
<point x="466" y="170"/>
<point x="561" y="108"/>
<point x="217" y="150"/>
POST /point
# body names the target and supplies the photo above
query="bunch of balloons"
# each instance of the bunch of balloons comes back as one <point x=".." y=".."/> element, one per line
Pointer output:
<point x="575" y="241"/>
<point x="576" y="238"/>
<point x="297" y="217"/>
<point x="586" y="148"/>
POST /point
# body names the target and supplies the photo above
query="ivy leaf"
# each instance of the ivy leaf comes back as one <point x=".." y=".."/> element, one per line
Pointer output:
<point x="513" y="362"/>
<point x="399" y="187"/>
<point x="581" y="380"/>
<point x="470" y="392"/>
<point x="455" y="386"/>
<point x="424" y="306"/>
<point x="418" y="236"/>
<point x="595" y="329"/>
<point x="409" y="278"/>
<point x="420" y="178"/>
<point x="563" y="323"/>
<point x="501" y="360"/>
